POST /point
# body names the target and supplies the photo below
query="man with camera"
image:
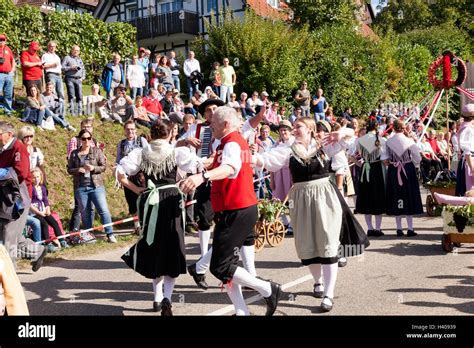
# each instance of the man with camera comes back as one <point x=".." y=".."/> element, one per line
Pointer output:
<point x="52" y="69"/>
<point x="32" y="67"/>
<point x="74" y="74"/>
<point x="122" y="105"/>
<point x="7" y="70"/>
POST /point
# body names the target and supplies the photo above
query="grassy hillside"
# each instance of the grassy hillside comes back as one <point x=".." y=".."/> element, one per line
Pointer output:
<point x="53" y="145"/>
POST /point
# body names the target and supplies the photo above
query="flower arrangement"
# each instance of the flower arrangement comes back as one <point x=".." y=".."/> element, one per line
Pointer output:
<point x="269" y="208"/>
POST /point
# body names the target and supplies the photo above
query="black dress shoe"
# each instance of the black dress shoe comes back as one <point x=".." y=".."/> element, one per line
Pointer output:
<point x="156" y="306"/>
<point x="318" y="293"/>
<point x="272" y="300"/>
<point x="411" y="233"/>
<point x="36" y="265"/>
<point x="400" y="233"/>
<point x="199" y="279"/>
<point x="166" y="308"/>
<point x="375" y="233"/>
<point x="342" y="262"/>
<point x="325" y="306"/>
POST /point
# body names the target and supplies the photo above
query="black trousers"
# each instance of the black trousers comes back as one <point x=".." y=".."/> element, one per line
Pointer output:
<point x="234" y="228"/>
<point x="203" y="208"/>
<point x="131" y="198"/>
<point x="48" y="221"/>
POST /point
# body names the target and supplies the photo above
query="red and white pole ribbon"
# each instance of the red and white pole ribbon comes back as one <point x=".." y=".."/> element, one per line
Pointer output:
<point x="118" y="222"/>
<point x="466" y="92"/>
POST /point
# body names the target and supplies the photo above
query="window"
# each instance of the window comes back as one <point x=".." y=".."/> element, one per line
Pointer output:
<point x="212" y="6"/>
<point x="132" y="13"/>
<point x="165" y="8"/>
<point x="174" y="6"/>
<point x="274" y="3"/>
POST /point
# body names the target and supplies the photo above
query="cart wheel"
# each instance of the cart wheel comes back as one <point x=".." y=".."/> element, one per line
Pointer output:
<point x="446" y="243"/>
<point x="259" y="233"/>
<point x="275" y="233"/>
<point x="430" y="205"/>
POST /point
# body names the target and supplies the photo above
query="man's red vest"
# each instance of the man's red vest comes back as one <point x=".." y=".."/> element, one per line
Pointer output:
<point x="238" y="193"/>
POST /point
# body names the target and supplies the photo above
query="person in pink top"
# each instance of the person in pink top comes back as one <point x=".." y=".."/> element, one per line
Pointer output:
<point x="272" y="117"/>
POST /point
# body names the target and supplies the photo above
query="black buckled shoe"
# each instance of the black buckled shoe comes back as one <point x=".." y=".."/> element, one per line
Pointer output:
<point x="342" y="262"/>
<point x="166" y="308"/>
<point x="400" y="233"/>
<point x="36" y="265"/>
<point x="327" y="304"/>
<point x="318" y="293"/>
<point x="199" y="279"/>
<point x="272" y="300"/>
<point x="411" y="233"/>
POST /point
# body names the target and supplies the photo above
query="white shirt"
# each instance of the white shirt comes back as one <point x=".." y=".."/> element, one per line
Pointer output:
<point x="191" y="65"/>
<point x="50" y="58"/>
<point x="231" y="155"/>
<point x="135" y="76"/>
<point x="466" y="140"/>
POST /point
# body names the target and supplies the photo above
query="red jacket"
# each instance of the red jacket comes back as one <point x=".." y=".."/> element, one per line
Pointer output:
<point x="17" y="157"/>
<point x="434" y="145"/>
<point x="238" y="193"/>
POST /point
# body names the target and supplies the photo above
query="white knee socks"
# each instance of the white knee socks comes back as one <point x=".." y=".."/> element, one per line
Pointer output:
<point x="368" y="220"/>
<point x="398" y="220"/>
<point x="235" y="294"/>
<point x="330" y="276"/>
<point x="168" y="286"/>
<point x="204" y="237"/>
<point x="410" y="222"/>
<point x="204" y="262"/>
<point x="316" y="272"/>
<point x="378" y="222"/>
<point x="248" y="258"/>
<point x="242" y="277"/>
<point x="158" y="289"/>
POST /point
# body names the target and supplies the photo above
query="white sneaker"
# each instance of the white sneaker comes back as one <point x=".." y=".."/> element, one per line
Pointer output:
<point x="111" y="238"/>
<point x="71" y="128"/>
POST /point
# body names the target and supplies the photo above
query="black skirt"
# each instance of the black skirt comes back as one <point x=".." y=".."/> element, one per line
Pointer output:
<point x="404" y="199"/>
<point x="371" y="196"/>
<point x="165" y="256"/>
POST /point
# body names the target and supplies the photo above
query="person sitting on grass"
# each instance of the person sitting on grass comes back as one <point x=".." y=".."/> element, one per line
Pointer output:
<point x="42" y="211"/>
<point x="141" y="115"/>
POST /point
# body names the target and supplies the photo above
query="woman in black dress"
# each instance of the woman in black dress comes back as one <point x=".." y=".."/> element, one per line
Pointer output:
<point x="403" y="190"/>
<point x="160" y="253"/>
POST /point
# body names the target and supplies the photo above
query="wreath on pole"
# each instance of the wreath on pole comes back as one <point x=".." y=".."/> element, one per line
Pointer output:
<point x="445" y="62"/>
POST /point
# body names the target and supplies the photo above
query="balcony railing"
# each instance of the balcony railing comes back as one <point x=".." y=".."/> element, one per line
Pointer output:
<point x="166" y="24"/>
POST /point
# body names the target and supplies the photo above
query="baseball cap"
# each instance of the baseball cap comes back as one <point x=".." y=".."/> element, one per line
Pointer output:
<point x="285" y="123"/>
<point x="175" y="90"/>
<point x="142" y="49"/>
<point x="265" y="94"/>
<point x="3" y="36"/>
<point x="35" y="46"/>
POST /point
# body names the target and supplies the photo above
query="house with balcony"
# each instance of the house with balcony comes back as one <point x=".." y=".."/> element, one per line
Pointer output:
<point x="164" y="25"/>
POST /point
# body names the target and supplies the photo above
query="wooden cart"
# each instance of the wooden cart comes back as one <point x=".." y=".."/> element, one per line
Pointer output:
<point x="431" y="203"/>
<point x="452" y="237"/>
<point x="271" y="231"/>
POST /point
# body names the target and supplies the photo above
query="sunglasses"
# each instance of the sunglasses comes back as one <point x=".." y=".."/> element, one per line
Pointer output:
<point x="86" y="138"/>
<point x="28" y="136"/>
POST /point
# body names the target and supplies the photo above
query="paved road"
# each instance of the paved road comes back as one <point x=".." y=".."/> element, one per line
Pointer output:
<point x="396" y="276"/>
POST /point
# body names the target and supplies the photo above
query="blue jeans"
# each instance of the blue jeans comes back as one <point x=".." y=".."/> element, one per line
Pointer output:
<point x="35" y="116"/>
<point x="58" y="84"/>
<point x="136" y="91"/>
<point x="74" y="95"/>
<point x="192" y="87"/>
<point x="176" y="82"/>
<point x="35" y="225"/>
<point x="96" y="195"/>
<point x="319" y="116"/>
<point x="6" y="87"/>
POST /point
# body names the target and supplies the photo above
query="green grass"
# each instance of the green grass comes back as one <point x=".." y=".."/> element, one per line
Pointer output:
<point x="53" y="144"/>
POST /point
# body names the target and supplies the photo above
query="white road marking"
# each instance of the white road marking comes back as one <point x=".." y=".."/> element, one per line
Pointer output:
<point x="255" y="298"/>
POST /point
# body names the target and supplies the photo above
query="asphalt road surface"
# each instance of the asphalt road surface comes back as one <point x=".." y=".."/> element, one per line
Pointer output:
<point x="395" y="276"/>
